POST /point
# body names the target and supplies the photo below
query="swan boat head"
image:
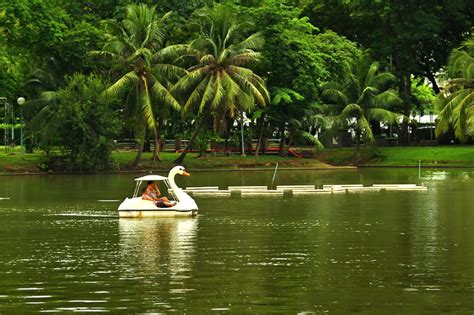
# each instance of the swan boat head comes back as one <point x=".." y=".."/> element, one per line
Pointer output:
<point x="177" y="170"/>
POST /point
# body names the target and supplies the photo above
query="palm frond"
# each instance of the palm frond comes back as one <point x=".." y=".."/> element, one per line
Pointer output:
<point x="196" y="95"/>
<point x="352" y="110"/>
<point x="127" y="80"/>
<point x="164" y="94"/>
<point x="191" y="79"/>
<point x="334" y="96"/>
<point x="169" y="71"/>
<point x="253" y="42"/>
<point x="172" y="52"/>
<point x="208" y="94"/>
<point x="387" y="99"/>
<point x="364" y="125"/>
<point x="382" y="115"/>
<point x="247" y="86"/>
<point x="313" y="140"/>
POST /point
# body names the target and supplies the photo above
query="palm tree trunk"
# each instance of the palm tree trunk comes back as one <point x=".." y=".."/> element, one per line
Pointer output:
<point x="261" y="123"/>
<point x="182" y="156"/>
<point x="357" y="147"/>
<point x="434" y="84"/>
<point x="156" y="149"/>
<point x="405" y="88"/>
<point x="138" y="157"/>
<point x="282" y="139"/>
<point x="242" y="133"/>
<point x="157" y="136"/>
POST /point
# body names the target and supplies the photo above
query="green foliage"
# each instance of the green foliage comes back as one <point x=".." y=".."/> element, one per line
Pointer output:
<point x="136" y="46"/>
<point x="456" y="103"/>
<point x="207" y="55"/>
<point x="423" y="96"/>
<point x="220" y="78"/>
<point x="294" y="56"/>
<point x="411" y="38"/>
<point x="365" y="96"/>
<point x="203" y="140"/>
<point x="80" y="122"/>
<point x="416" y="36"/>
<point x="284" y="95"/>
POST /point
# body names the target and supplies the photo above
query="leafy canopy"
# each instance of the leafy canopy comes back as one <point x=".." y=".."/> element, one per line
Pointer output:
<point x="220" y="78"/>
<point x="456" y="103"/>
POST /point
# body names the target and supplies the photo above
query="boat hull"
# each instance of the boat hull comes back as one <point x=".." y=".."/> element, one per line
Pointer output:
<point x="156" y="213"/>
<point x="139" y="208"/>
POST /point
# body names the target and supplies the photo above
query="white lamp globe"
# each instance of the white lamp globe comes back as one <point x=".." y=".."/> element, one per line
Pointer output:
<point x="21" y="101"/>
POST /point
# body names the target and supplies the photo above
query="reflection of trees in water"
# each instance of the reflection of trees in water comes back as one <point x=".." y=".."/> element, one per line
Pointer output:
<point x="154" y="246"/>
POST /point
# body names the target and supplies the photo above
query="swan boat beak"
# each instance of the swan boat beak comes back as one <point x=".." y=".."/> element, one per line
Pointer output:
<point x="186" y="173"/>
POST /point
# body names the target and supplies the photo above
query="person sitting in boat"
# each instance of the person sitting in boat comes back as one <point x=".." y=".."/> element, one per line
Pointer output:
<point x="152" y="193"/>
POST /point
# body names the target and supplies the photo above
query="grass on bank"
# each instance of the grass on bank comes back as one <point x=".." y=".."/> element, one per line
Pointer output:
<point x="192" y="161"/>
<point x="15" y="162"/>
<point x="402" y="156"/>
<point x="440" y="155"/>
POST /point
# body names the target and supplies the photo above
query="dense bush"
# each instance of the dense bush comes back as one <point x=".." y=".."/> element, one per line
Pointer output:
<point x="79" y="121"/>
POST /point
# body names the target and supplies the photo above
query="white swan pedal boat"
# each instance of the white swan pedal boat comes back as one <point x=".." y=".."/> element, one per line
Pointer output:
<point x="136" y="207"/>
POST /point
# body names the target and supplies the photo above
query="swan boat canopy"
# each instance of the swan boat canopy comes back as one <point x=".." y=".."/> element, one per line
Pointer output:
<point x="136" y="207"/>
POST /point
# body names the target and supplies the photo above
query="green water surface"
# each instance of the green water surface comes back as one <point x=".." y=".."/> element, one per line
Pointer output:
<point x="63" y="247"/>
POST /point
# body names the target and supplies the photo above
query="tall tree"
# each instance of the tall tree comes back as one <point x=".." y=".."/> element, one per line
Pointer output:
<point x="220" y="79"/>
<point x="413" y="38"/>
<point x="456" y="102"/>
<point x="136" y="45"/>
<point x="296" y="60"/>
<point x="364" y="96"/>
<point x="78" y="120"/>
<point x="296" y="55"/>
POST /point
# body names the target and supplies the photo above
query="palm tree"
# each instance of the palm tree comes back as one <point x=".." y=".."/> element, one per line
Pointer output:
<point x="456" y="102"/>
<point x="363" y="97"/>
<point x="136" y="45"/>
<point x="220" y="80"/>
<point x="292" y="115"/>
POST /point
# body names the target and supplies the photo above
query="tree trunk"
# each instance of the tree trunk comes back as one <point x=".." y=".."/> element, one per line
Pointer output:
<point x="291" y="139"/>
<point x="375" y="126"/>
<point x="156" y="149"/>
<point x="242" y="133"/>
<point x="182" y="156"/>
<point x="432" y="79"/>
<point x="261" y="124"/>
<point x="157" y="135"/>
<point x="177" y="144"/>
<point x="405" y="89"/>
<point x="282" y="139"/>
<point x="226" y="128"/>
<point x="357" y="147"/>
<point x="146" y="146"/>
<point x="248" y="140"/>
<point x="139" y="155"/>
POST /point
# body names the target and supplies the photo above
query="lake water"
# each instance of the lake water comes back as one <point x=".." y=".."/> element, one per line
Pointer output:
<point x="397" y="252"/>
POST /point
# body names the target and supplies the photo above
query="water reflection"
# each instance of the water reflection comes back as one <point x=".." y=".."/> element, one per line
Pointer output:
<point x="158" y="245"/>
<point x="347" y="253"/>
<point x="437" y="175"/>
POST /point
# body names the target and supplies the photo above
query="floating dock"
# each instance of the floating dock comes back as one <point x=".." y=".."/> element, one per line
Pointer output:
<point x="297" y="190"/>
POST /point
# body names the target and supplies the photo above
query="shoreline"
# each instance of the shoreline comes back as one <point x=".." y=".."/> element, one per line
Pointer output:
<point x="243" y="169"/>
<point x="447" y="157"/>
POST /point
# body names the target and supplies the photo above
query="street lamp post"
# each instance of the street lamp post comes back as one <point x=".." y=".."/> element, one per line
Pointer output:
<point x="5" y="124"/>
<point x="242" y="132"/>
<point x="20" y="101"/>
